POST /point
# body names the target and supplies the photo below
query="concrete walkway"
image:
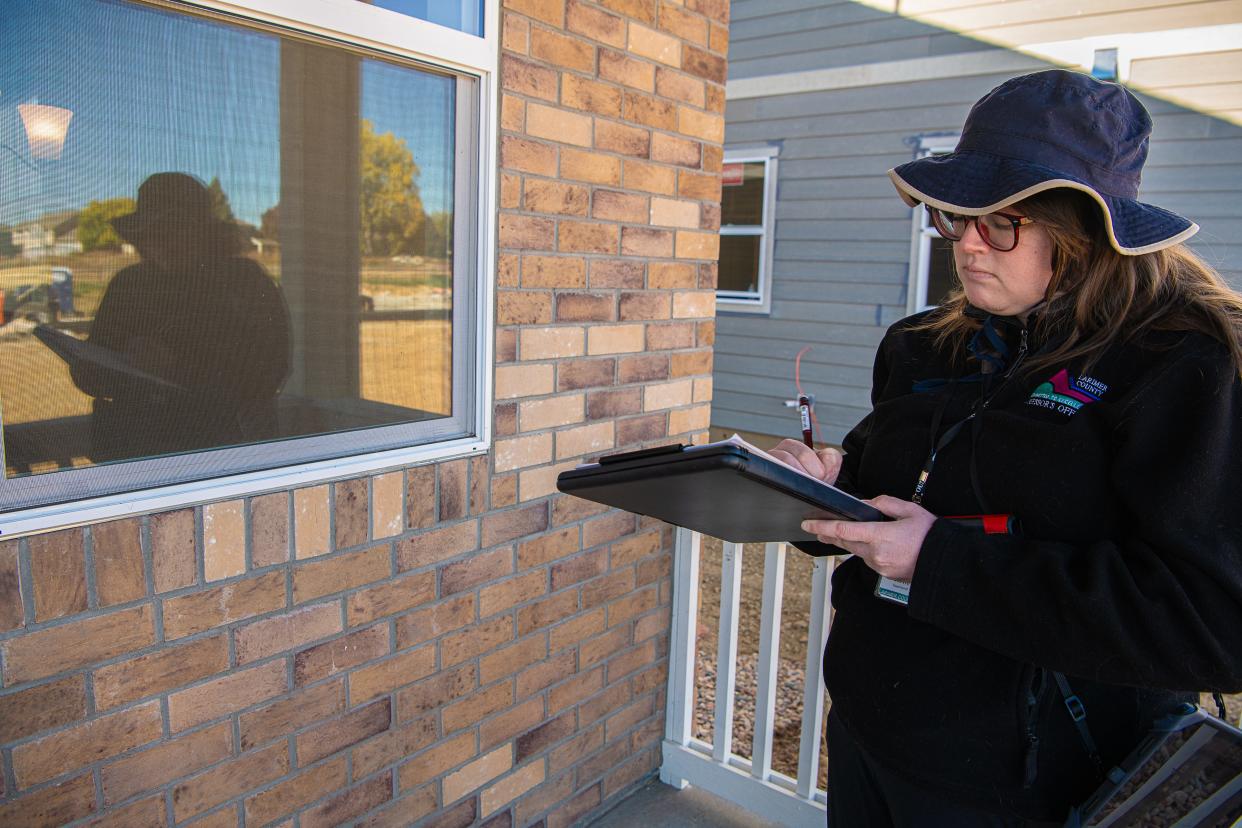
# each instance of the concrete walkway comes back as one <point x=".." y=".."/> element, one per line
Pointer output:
<point x="656" y="805"/>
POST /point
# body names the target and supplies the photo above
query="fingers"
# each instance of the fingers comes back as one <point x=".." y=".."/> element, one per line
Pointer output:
<point x="895" y="507"/>
<point x="832" y="531"/>
<point x="832" y="459"/>
<point x="800" y="456"/>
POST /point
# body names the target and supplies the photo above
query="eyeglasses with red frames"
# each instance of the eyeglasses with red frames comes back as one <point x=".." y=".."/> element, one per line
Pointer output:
<point x="998" y="230"/>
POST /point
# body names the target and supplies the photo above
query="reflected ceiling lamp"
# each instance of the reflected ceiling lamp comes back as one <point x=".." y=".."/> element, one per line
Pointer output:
<point x="46" y="128"/>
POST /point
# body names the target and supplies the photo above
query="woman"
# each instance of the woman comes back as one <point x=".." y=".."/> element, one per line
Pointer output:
<point x="1084" y="381"/>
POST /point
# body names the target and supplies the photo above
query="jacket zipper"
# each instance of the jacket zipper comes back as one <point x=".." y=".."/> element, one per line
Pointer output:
<point x="1030" y="764"/>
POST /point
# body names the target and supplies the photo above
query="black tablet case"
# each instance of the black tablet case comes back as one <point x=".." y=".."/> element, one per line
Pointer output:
<point x="721" y="490"/>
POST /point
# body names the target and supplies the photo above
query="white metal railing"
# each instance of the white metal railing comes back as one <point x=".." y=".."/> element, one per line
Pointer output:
<point x="750" y="783"/>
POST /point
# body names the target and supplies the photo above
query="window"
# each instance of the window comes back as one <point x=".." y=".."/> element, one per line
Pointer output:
<point x="228" y="248"/>
<point x="931" y="256"/>
<point x="747" y="199"/>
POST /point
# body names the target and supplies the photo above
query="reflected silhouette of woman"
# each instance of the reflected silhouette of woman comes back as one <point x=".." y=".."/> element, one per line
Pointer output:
<point x="197" y="315"/>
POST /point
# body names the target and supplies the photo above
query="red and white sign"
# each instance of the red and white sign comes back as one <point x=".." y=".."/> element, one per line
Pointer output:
<point x="731" y="175"/>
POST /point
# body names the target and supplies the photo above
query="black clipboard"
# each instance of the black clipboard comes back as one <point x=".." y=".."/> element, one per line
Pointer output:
<point x="720" y="489"/>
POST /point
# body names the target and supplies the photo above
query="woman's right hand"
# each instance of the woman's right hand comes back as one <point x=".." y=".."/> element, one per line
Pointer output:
<point x="824" y="464"/>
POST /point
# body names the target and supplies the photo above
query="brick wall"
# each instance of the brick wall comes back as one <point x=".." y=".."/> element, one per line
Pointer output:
<point x="453" y="643"/>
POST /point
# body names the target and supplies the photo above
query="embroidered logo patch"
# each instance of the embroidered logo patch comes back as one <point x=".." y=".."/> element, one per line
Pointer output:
<point x="1065" y="394"/>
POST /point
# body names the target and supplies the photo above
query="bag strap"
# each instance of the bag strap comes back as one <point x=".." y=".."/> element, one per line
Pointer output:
<point x="1078" y="713"/>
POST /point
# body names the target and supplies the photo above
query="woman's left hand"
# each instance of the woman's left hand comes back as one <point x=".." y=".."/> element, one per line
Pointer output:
<point x="891" y="548"/>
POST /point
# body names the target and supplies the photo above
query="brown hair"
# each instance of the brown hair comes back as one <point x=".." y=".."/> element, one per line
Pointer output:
<point x="1097" y="296"/>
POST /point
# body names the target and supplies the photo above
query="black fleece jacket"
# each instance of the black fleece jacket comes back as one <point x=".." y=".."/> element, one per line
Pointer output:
<point x="1127" y="574"/>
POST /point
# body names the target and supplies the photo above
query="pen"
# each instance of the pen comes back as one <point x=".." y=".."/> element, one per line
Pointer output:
<point x="804" y="410"/>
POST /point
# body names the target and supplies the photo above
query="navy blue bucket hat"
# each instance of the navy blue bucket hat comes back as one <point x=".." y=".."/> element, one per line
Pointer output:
<point x="1048" y="130"/>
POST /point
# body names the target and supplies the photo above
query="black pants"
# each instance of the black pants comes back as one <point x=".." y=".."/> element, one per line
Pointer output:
<point x="861" y="794"/>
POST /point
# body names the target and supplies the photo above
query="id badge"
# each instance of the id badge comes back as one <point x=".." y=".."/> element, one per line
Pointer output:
<point x="896" y="591"/>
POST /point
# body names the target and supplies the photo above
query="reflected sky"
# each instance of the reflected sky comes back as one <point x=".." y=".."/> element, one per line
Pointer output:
<point x="152" y="90"/>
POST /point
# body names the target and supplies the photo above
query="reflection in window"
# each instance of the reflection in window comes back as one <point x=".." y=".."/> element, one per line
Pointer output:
<point x="745" y="235"/>
<point x="463" y="15"/>
<point x="244" y="238"/>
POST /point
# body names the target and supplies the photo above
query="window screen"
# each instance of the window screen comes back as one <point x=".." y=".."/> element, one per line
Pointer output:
<point x="222" y="249"/>
<point x="744" y="195"/>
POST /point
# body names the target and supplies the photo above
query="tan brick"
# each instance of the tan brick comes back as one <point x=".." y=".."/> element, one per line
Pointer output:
<point x="549" y="11"/>
<point x="12" y="611"/>
<point x="620" y="68"/>
<point x="340" y="573"/>
<point x="647" y="242"/>
<point x="189" y="614"/>
<point x="310" y="522"/>
<point x="282" y="717"/>
<point x="510" y="199"/>
<point x="520" y="452"/>
<point x="117" y="551"/>
<point x="717" y="10"/>
<point x="614" y="339"/>
<point x="670" y="83"/>
<point x="338" y="734"/>
<point x="433" y="762"/>
<point x="688" y="364"/>
<point x="671" y="275"/>
<point x="698" y="124"/>
<point x="144" y="812"/>
<point x="613" y="403"/>
<point x="713" y="158"/>
<point x="548" y="548"/>
<point x="703" y="390"/>
<point x="55" y="805"/>
<point x="669" y="336"/>
<point x="477" y="569"/>
<point x="228" y="817"/>
<point x="631" y="606"/>
<point x="269" y="529"/>
<point x="643" y="429"/>
<point x="566" y="510"/>
<point x="245" y="773"/>
<point x="590" y="96"/>
<point x="692" y="245"/>
<point x="644" y="10"/>
<point x="225" y="695"/>
<point x="77" y="644"/>
<point x="43" y="707"/>
<point x="508" y="525"/>
<point x="709" y="219"/>
<point x="573" y="631"/>
<point x="426" y="624"/>
<point x="546" y="673"/>
<point x="470" y="642"/>
<point x="553" y="271"/>
<point x="224" y="540"/>
<point x="584" y="307"/>
<point x="561" y="50"/>
<point x="692" y="305"/>
<point x="551" y="343"/>
<point x="91" y="741"/>
<point x="644" y="305"/>
<point x="435" y="692"/>
<point x="595" y="167"/>
<point x="616" y="273"/>
<point x="704" y="64"/>
<point x="650" y="626"/>
<point x="507" y="725"/>
<point x="343" y="807"/>
<point x="290" y="795"/>
<point x="526" y="232"/>
<point x="436" y="546"/>
<point x="645" y="368"/>
<point x="673" y="213"/>
<point x="649" y="111"/>
<point x="604" y="589"/>
<point x="535" y="415"/>
<point x="332" y="657"/>
<point x="478" y="706"/>
<point x="504" y="489"/>
<point x="690" y="419"/>
<point x="515" y="34"/>
<point x="173" y="550"/>
<point x="352" y="512"/>
<point x="420" y="497"/>
<point x="683" y="24"/>
<point x="719" y="41"/>
<point x="541" y="482"/>
<point x="511" y="592"/>
<point x="576" y="749"/>
<point x="480" y="467"/>
<point x="585" y="373"/>
<point x="509" y="660"/>
<point x="291" y="630"/>
<point x="527" y="156"/>
<point x="510" y="788"/>
<point x="557" y="124"/>
<point x="477" y="773"/>
<point x="58" y="567"/>
<point x="543" y="196"/>
<point x="703" y="186"/>
<point x="578" y="569"/>
<point x="611" y="205"/>
<point x="546" y="734"/>
<point x="386" y="507"/>
<point x="650" y="178"/>
<point x="622" y="138"/>
<point x="523" y="380"/>
<point x="657" y="46"/>
<point x="159" y="672"/>
<point x="672" y="150"/>
<point x="586" y="237"/>
<point x="526" y="78"/>
<point x="542" y="798"/>
<point x="585" y="440"/>
<point x="393" y="745"/>
<point x="390" y="598"/>
<point x="628" y="551"/>
<point x="524" y="307"/>
<point x="595" y="24"/>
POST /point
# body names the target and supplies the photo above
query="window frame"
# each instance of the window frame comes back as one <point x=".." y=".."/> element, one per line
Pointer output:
<point x="923" y="231"/>
<point x="760" y="300"/>
<point x="355" y="25"/>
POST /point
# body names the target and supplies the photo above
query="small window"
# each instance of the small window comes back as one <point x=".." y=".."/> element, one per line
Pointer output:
<point x="747" y="199"/>
<point x="931" y="256"/>
<point x="238" y="249"/>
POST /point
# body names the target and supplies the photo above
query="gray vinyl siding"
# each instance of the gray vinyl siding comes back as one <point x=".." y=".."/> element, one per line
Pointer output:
<point x="842" y="236"/>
